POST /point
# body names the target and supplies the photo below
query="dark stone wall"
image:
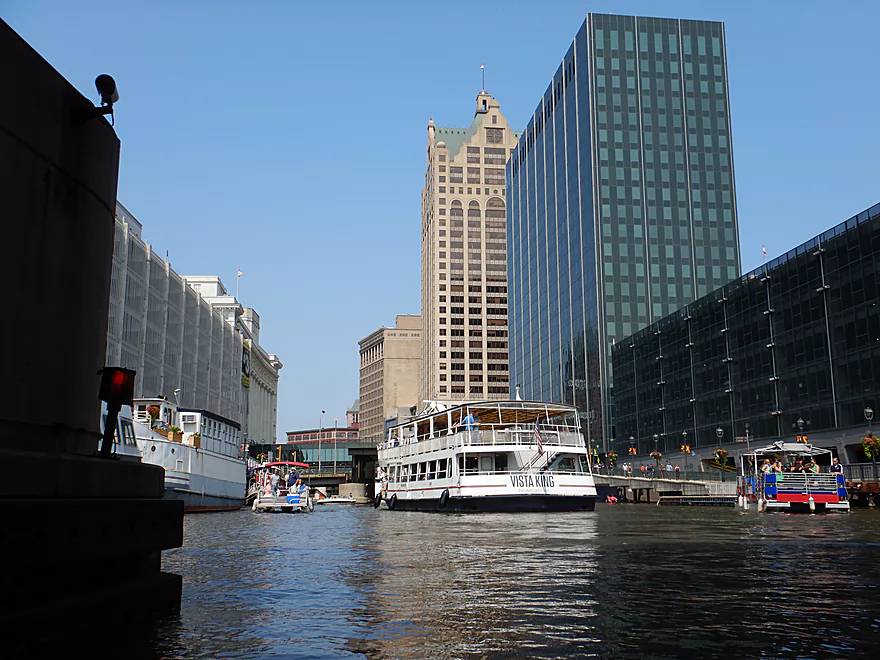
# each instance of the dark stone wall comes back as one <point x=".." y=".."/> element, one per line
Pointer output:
<point x="57" y="199"/>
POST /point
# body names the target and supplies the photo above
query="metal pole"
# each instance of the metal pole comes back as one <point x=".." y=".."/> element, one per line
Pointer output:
<point x="335" y="424"/>
<point x="110" y="429"/>
<point x="320" y="433"/>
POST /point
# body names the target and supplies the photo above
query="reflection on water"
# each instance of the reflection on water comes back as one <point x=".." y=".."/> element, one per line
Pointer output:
<point x="624" y="582"/>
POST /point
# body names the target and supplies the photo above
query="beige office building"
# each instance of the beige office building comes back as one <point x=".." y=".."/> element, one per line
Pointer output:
<point x="464" y="259"/>
<point x="390" y="372"/>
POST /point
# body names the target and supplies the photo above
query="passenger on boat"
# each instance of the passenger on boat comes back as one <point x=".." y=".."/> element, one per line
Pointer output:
<point x="292" y="478"/>
<point x="302" y="488"/>
<point x="813" y="467"/>
<point x="765" y="466"/>
<point x="836" y="467"/>
<point x="469" y="423"/>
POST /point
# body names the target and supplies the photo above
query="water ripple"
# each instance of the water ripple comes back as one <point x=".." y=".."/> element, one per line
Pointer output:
<point x="623" y="582"/>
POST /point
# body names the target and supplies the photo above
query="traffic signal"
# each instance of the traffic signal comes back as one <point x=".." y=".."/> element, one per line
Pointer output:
<point x="117" y="385"/>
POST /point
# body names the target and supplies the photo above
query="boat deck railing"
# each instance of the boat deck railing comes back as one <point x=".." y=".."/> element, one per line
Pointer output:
<point x="487" y="435"/>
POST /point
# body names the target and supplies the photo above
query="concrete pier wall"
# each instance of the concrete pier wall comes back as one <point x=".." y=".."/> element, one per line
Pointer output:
<point x="82" y="537"/>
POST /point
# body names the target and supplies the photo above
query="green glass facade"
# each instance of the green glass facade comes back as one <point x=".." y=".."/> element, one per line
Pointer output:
<point x="791" y="348"/>
<point x="622" y="203"/>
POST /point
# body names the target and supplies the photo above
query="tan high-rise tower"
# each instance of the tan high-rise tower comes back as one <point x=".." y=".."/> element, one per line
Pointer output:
<point x="464" y="259"/>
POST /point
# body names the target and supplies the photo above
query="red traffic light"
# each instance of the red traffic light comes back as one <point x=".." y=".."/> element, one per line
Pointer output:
<point x="117" y="385"/>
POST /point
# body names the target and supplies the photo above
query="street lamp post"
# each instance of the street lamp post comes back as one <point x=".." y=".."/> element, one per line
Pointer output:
<point x="684" y="441"/>
<point x="720" y="433"/>
<point x="869" y="415"/>
<point x="656" y="444"/>
<point x="320" y="433"/>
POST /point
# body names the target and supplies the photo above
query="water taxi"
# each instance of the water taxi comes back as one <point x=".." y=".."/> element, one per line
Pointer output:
<point x="268" y="490"/>
<point x="792" y="491"/>
<point x="490" y="456"/>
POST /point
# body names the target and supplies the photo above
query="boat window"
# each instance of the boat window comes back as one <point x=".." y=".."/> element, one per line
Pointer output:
<point x="423" y="470"/>
<point x="500" y="462"/>
<point x="432" y="470"/>
<point x="565" y="464"/>
<point x="441" y="469"/>
<point x="583" y="465"/>
<point x="467" y="464"/>
<point x="128" y="437"/>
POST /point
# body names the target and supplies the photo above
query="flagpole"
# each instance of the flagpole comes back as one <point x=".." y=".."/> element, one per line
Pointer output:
<point x="483" y="71"/>
<point x="237" y="279"/>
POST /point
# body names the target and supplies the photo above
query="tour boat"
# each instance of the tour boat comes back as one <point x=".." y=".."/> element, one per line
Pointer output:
<point x="490" y="456"/>
<point x="804" y="492"/>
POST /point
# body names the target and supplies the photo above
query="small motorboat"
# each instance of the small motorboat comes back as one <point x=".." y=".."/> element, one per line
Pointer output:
<point x="336" y="499"/>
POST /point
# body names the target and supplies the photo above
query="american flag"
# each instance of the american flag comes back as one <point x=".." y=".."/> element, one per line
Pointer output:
<point x="538" y="437"/>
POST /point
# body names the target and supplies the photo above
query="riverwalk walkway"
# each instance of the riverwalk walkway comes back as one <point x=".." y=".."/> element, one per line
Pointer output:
<point x="683" y="483"/>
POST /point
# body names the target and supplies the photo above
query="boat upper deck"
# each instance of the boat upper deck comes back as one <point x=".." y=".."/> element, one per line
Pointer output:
<point x="487" y="425"/>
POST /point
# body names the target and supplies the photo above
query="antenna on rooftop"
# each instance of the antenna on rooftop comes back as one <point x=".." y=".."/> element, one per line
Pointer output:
<point x="483" y="71"/>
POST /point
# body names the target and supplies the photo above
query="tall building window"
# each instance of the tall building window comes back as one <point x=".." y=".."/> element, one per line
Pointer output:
<point x="495" y="156"/>
<point x="494" y="135"/>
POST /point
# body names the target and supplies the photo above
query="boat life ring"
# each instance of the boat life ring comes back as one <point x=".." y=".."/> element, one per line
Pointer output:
<point x="444" y="498"/>
<point x="392" y="502"/>
<point x="377" y="501"/>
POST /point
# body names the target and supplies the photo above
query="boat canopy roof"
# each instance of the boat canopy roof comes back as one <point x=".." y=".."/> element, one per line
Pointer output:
<point x="490" y="412"/>
<point x="280" y="463"/>
<point x="790" y="448"/>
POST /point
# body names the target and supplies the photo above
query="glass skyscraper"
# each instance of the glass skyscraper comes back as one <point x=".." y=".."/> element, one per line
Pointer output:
<point x="621" y="202"/>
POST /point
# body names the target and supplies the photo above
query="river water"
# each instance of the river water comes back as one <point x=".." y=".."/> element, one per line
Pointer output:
<point x="627" y="581"/>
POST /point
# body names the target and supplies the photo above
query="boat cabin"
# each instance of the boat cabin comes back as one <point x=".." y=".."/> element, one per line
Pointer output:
<point x="486" y="438"/>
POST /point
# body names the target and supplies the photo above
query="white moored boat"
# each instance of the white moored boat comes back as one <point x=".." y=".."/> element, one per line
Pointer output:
<point x="491" y="456"/>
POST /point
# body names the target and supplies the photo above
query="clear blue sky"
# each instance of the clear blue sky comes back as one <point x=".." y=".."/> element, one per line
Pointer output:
<point x="288" y="138"/>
